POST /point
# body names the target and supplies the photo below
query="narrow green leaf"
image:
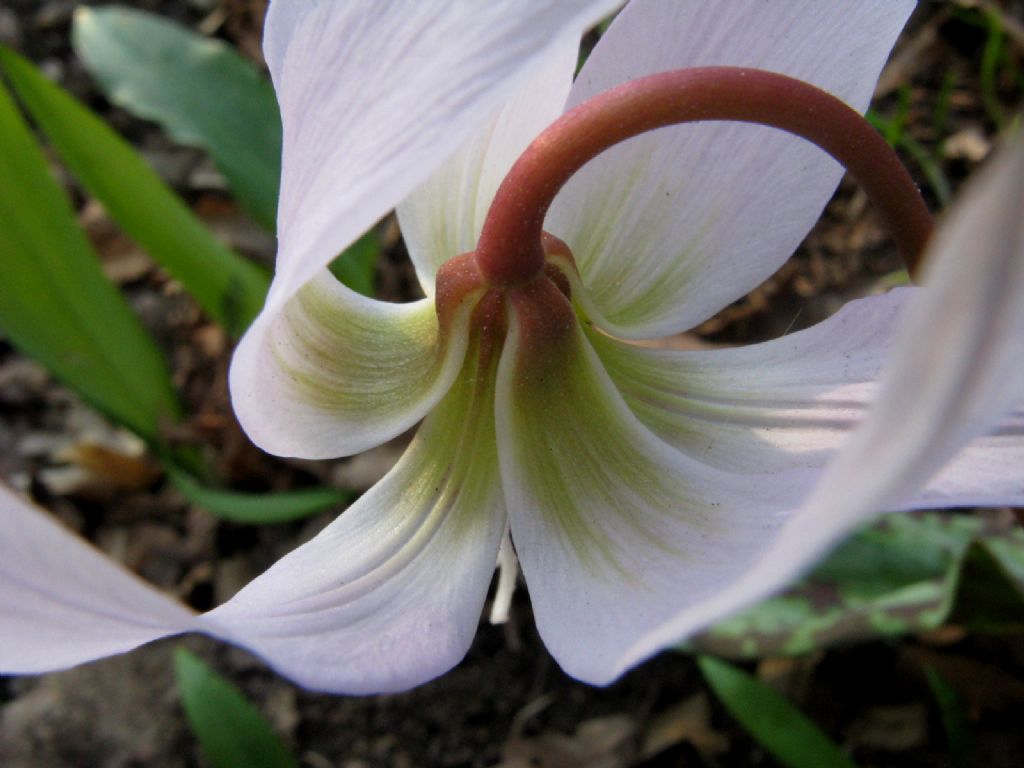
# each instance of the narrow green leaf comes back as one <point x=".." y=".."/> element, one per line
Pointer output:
<point x="940" y="115"/>
<point x="892" y="129"/>
<point x="954" y="718"/>
<point x="991" y="56"/>
<point x="776" y="724"/>
<point x="258" y="508"/>
<point x="931" y="168"/>
<point x="227" y="286"/>
<point x="357" y="265"/>
<point x="906" y="573"/>
<point x="231" y="731"/>
<point x="898" y="278"/>
<point x="988" y="596"/>
<point x="56" y="304"/>
<point x="201" y="91"/>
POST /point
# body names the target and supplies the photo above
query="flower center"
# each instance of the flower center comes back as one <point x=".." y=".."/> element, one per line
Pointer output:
<point x="544" y="297"/>
<point x="516" y="264"/>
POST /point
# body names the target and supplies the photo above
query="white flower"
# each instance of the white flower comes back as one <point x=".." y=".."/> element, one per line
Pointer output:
<point x="647" y="493"/>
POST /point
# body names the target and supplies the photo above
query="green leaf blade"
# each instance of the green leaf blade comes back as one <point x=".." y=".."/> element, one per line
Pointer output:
<point x="56" y="304"/>
<point x="231" y="731"/>
<point x="357" y="265"/>
<point x="228" y="287"/>
<point x="776" y="724"/>
<point x="906" y="573"/>
<point x="201" y="91"/>
<point x="258" y="508"/>
<point x="953" y="713"/>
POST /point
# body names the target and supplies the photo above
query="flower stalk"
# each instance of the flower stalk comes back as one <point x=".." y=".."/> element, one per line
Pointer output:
<point x="510" y="250"/>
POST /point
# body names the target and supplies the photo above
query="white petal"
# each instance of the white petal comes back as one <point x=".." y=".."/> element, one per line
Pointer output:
<point x="389" y="595"/>
<point x="335" y="373"/>
<point x="63" y="603"/>
<point x="767" y="407"/>
<point x="670" y="227"/>
<point x="955" y="373"/>
<point x="616" y="531"/>
<point x="375" y="95"/>
<point x="989" y="472"/>
<point x="444" y="216"/>
<point x="956" y="368"/>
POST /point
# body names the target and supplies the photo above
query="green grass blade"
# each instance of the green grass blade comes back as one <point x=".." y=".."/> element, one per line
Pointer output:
<point x="991" y="57"/>
<point x="931" y="168"/>
<point x="227" y="286"/>
<point x="56" y="304"/>
<point x="201" y="91"/>
<point x="896" y="137"/>
<point x="258" y="508"/>
<point x="954" y="718"/>
<point x="775" y="723"/>
<point x="356" y="266"/>
<point x="231" y="731"/>
<point x="940" y="115"/>
<point x="902" y="574"/>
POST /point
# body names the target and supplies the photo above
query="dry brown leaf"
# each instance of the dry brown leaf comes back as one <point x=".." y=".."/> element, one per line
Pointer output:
<point x="122" y="260"/>
<point x="604" y="742"/>
<point x="894" y="729"/>
<point x="689" y="721"/>
<point x="114" y="468"/>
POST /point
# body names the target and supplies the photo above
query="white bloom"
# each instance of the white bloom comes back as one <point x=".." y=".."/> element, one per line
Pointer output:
<point x="648" y="493"/>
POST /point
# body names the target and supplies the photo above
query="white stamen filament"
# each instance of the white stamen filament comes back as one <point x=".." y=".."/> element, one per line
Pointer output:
<point x="508" y="571"/>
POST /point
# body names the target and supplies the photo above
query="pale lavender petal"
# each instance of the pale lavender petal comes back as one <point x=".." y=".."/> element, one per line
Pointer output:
<point x="955" y="375"/>
<point x="375" y="95"/>
<point x="444" y="216"/>
<point x="389" y="595"/>
<point x="670" y="227"/>
<point x="335" y="373"/>
<point x="989" y="472"/>
<point x="63" y="603"/>
<point x="616" y="531"/>
<point x="956" y="368"/>
<point x="768" y="407"/>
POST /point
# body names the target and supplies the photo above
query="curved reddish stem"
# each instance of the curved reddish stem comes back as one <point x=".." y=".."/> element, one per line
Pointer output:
<point x="510" y="251"/>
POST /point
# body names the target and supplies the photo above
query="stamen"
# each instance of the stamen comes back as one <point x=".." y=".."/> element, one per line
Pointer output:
<point x="508" y="572"/>
<point x="510" y="252"/>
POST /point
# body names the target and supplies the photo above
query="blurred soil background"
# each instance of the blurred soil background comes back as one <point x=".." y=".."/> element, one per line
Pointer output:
<point x="507" y="704"/>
